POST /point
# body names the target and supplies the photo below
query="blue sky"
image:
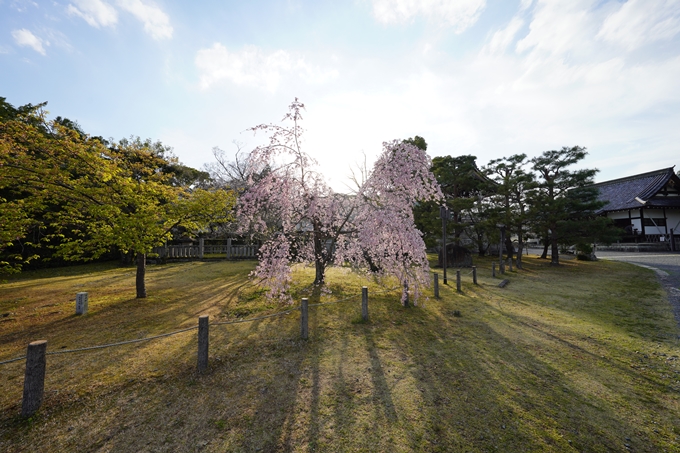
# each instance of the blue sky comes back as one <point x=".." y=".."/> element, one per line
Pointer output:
<point x="485" y="77"/>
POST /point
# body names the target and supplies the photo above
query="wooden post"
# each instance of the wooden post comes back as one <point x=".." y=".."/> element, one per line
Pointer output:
<point x="201" y="247"/>
<point x="364" y="303"/>
<point x="493" y="269"/>
<point x="672" y="241"/>
<point x="304" y="318"/>
<point x="228" y="248"/>
<point x="81" y="303"/>
<point x="510" y="264"/>
<point x="34" y="379"/>
<point x="458" y="280"/>
<point x="501" y="267"/>
<point x="203" y="342"/>
<point x="436" y="286"/>
<point x="474" y="274"/>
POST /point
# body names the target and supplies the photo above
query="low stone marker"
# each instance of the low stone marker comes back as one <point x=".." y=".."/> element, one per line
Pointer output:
<point x="81" y="303"/>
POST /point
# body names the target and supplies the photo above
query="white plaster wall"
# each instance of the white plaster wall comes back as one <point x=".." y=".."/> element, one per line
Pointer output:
<point x="673" y="220"/>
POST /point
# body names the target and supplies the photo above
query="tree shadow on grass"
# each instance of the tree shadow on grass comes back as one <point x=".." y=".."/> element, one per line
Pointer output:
<point x="483" y="391"/>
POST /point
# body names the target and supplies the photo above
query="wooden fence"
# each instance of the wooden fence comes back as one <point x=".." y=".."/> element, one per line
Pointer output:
<point x="201" y="250"/>
<point x="34" y="375"/>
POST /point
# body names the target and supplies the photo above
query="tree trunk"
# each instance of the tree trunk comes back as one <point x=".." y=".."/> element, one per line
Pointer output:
<point x="319" y="256"/>
<point x="555" y="251"/>
<point x="320" y="272"/>
<point x="509" y="250"/>
<point x="141" y="273"/>
<point x="481" y="251"/>
<point x="546" y="244"/>
<point x="520" y="249"/>
<point x="405" y="295"/>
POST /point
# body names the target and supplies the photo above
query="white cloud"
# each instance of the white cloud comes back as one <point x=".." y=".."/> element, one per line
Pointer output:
<point x="253" y="67"/>
<point x="156" y="22"/>
<point x="558" y="91"/>
<point x="525" y="4"/>
<point x="25" y="38"/>
<point x="559" y="27"/>
<point x="502" y="38"/>
<point x="23" y="5"/>
<point x="638" y="22"/>
<point x="97" y="13"/>
<point x="459" y="14"/>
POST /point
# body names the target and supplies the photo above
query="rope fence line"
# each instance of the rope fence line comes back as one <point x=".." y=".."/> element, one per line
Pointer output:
<point x="238" y="321"/>
<point x="333" y="301"/>
<point x="34" y="378"/>
<point x="13" y="360"/>
<point x="139" y="340"/>
<point x="108" y="345"/>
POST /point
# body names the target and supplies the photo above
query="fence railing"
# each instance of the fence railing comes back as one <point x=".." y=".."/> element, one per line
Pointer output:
<point x="34" y="377"/>
<point x="201" y="250"/>
<point x="36" y="353"/>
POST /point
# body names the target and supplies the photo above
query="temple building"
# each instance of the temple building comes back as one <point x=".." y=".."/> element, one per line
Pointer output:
<point x="646" y="206"/>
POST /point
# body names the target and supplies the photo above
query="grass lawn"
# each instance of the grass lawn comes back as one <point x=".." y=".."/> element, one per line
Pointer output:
<point x="584" y="357"/>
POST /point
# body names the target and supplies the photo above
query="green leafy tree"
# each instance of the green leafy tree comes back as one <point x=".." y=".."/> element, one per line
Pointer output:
<point x="463" y="186"/>
<point x="560" y="200"/>
<point x="510" y="204"/>
<point x="426" y="213"/>
<point x="465" y="190"/>
<point x="95" y="197"/>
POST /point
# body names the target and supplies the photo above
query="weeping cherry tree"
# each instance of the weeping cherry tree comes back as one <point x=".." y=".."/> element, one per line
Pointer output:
<point x="372" y="229"/>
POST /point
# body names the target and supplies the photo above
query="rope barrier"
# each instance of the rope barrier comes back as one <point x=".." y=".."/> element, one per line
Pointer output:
<point x="333" y="301"/>
<point x="223" y="323"/>
<point x="108" y="345"/>
<point x="120" y="343"/>
<point x="138" y="340"/>
<point x="12" y="360"/>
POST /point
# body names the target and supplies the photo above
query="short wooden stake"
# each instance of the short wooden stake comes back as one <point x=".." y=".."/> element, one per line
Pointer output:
<point x="493" y="269"/>
<point x="510" y="264"/>
<point x="81" y="303"/>
<point x="501" y="267"/>
<point x="436" y="286"/>
<point x="304" y="318"/>
<point x="458" y="280"/>
<point x="364" y="303"/>
<point x="474" y="274"/>
<point x="34" y="379"/>
<point x="203" y="342"/>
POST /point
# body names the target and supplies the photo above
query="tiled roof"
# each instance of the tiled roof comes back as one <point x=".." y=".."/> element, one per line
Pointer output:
<point x="621" y="194"/>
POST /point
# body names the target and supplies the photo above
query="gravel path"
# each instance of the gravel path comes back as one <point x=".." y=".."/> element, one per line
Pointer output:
<point x="667" y="268"/>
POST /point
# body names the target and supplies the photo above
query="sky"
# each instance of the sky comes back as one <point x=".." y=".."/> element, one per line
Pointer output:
<point x="491" y="78"/>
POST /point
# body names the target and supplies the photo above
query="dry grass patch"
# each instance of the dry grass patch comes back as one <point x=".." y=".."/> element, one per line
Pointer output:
<point x="579" y="358"/>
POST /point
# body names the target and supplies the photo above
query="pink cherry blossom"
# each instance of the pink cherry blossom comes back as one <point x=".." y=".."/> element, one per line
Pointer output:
<point x="304" y="221"/>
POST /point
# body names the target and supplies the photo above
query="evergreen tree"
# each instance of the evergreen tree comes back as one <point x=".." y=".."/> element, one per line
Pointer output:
<point x="562" y="208"/>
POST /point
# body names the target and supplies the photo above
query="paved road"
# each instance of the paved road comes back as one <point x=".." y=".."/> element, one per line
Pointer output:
<point x="667" y="265"/>
<point x="668" y="261"/>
